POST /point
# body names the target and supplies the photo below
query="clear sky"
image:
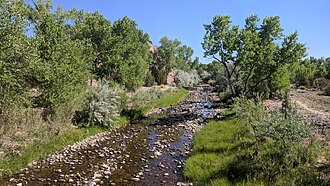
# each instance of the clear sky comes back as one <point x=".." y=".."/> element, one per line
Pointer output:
<point x="184" y="19"/>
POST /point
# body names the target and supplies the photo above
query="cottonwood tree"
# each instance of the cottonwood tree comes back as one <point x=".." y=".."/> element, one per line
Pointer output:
<point x="122" y="52"/>
<point x="171" y="54"/>
<point x="96" y="29"/>
<point x="129" y="56"/>
<point x="164" y="59"/>
<point x="250" y="56"/>
<point x="15" y="53"/>
<point x="62" y="68"/>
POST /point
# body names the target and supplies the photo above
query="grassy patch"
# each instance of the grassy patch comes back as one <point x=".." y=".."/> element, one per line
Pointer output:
<point x="54" y="143"/>
<point x="217" y="137"/>
<point x="213" y="153"/>
<point x="170" y="98"/>
<point x="216" y="156"/>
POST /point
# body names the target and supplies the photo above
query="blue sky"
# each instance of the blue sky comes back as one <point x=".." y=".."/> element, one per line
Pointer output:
<point x="184" y="19"/>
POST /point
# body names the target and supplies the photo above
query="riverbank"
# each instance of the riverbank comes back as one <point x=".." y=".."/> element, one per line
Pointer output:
<point x="51" y="144"/>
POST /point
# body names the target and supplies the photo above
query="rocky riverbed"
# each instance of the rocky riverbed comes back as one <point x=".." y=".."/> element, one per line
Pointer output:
<point x="151" y="151"/>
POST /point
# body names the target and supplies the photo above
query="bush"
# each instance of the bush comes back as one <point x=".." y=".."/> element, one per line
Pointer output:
<point x="326" y="90"/>
<point x="186" y="79"/>
<point x="101" y="107"/>
<point x="277" y="146"/>
<point x="149" y="80"/>
<point x="321" y="83"/>
<point x="142" y="97"/>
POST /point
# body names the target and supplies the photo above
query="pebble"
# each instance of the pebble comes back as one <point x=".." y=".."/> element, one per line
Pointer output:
<point x="135" y="179"/>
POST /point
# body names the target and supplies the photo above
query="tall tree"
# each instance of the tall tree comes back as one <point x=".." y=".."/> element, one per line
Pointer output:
<point x="63" y="66"/>
<point x="170" y="54"/>
<point x="164" y="59"/>
<point x="96" y="29"/>
<point x="250" y="56"/>
<point x="129" y="56"/>
<point x="221" y="43"/>
<point x="15" y="53"/>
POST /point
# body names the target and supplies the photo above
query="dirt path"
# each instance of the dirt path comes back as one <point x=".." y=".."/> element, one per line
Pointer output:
<point x="315" y="108"/>
<point x="311" y="110"/>
<point x="148" y="152"/>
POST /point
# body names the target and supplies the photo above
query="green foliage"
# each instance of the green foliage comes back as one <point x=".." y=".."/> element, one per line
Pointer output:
<point x="304" y="73"/>
<point x="186" y="79"/>
<point x="102" y="106"/>
<point x="122" y="51"/>
<point x="195" y="64"/>
<point x="277" y="151"/>
<point x="96" y="29"/>
<point x="62" y="70"/>
<point x="250" y="56"/>
<point x="129" y="57"/>
<point x="281" y="79"/>
<point x="277" y="137"/>
<point x="15" y="54"/>
<point x="171" y="54"/>
<point x="310" y="72"/>
<point x="149" y="79"/>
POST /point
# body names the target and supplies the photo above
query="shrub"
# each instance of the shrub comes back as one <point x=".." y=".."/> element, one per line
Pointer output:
<point x="149" y="80"/>
<point x="326" y="90"/>
<point x="277" y="146"/>
<point x="101" y="107"/>
<point x="321" y="83"/>
<point x="141" y="97"/>
<point x="186" y="79"/>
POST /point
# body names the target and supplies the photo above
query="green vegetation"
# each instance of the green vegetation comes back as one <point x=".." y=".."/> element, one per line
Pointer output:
<point x="169" y="55"/>
<point x="186" y="79"/>
<point x="101" y="106"/>
<point x="155" y="99"/>
<point x="213" y="152"/>
<point x="250" y="56"/>
<point x="48" y="78"/>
